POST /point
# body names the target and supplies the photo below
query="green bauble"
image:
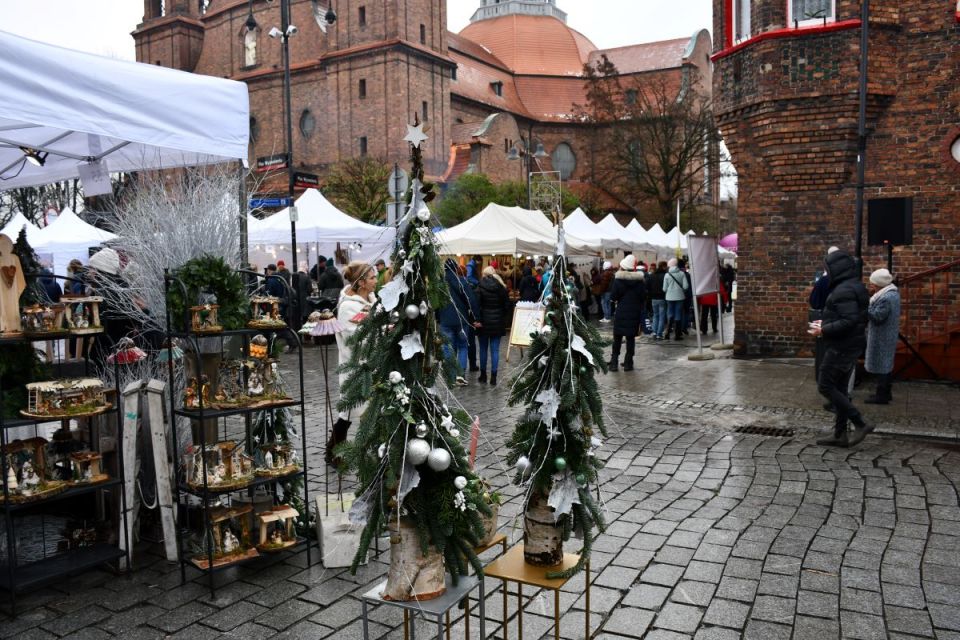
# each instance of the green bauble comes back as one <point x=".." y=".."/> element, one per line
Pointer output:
<point x="583" y="370"/>
<point x="560" y="464"/>
<point x="581" y="479"/>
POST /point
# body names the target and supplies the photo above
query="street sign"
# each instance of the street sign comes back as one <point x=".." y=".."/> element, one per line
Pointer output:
<point x="270" y="203"/>
<point x="271" y="163"/>
<point x="306" y="180"/>
<point x="398" y="182"/>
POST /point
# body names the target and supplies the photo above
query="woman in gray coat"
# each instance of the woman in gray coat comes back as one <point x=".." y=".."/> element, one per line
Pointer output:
<point x="882" y="333"/>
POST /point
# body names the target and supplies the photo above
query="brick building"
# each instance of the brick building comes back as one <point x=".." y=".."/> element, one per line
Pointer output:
<point x="514" y="73"/>
<point x="786" y="99"/>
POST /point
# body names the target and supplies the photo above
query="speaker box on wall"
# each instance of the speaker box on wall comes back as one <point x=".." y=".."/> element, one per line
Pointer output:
<point x="890" y="221"/>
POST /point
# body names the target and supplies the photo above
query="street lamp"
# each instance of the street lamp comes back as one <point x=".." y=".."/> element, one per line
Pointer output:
<point x="522" y="150"/>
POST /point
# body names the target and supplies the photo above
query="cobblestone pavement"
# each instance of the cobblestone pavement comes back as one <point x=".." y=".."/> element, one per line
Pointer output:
<point x="712" y="533"/>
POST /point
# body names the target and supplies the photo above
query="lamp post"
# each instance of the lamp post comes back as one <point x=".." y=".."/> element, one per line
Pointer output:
<point x="516" y="153"/>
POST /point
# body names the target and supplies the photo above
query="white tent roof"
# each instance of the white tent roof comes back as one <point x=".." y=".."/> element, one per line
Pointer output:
<point x="578" y="224"/>
<point x="508" y="230"/>
<point x="81" y="107"/>
<point x="16" y="223"/>
<point x="318" y="221"/>
<point x="657" y="236"/>
<point x="69" y="232"/>
<point x="616" y="236"/>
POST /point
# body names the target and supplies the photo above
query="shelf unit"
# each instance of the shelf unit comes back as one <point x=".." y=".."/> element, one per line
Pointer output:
<point x="211" y="497"/>
<point x="17" y="578"/>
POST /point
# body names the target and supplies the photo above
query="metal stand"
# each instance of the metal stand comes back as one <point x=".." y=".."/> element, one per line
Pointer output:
<point x="438" y="608"/>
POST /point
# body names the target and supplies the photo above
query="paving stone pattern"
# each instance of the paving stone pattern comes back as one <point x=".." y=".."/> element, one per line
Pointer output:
<point x="711" y="535"/>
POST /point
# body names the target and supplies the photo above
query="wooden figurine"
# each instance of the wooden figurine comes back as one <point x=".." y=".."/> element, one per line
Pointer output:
<point x="82" y="314"/>
<point x="87" y="468"/>
<point x="265" y="313"/>
<point x="204" y="319"/>
<point x="65" y="398"/>
<point x="40" y="319"/>
<point x="28" y="458"/>
<point x="230" y="537"/>
<point x="277" y="528"/>
<point x="12" y="284"/>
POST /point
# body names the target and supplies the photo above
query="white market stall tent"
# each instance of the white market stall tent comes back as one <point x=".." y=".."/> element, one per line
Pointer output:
<point x="63" y="109"/>
<point x="500" y="230"/>
<point x="18" y="222"/>
<point x="321" y="228"/>
<point x="578" y="224"/>
<point x="69" y="237"/>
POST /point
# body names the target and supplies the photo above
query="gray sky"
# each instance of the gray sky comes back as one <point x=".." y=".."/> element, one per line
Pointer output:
<point x="104" y="26"/>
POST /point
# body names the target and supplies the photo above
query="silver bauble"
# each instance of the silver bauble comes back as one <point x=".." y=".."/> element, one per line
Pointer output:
<point x="454" y="433"/>
<point x="412" y="311"/>
<point x="417" y="451"/>
<point x="422" y="430"/>
<point x="523" y="465"/>
<point x="424" y="214"/>
<point x="439" y="459"/>
<point x="460" y="483"/>
<point x="394" y="317"/>
<point x="395" y="377"/>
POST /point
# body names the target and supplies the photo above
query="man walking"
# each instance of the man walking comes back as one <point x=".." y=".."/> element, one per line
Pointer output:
<point x="843" y="329"/>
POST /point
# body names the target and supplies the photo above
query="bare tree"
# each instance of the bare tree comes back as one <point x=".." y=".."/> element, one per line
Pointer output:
<point x="358" y="186"/>
<point x="655" y="143"/>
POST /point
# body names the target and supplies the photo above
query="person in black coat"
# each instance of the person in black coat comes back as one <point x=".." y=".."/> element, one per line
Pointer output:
<point x="628" y="290"/>
<point x="494" y="310"/>
<point x="51" y="289"/>
<point x="529" y="287"/>
<point x="843" y="329"/>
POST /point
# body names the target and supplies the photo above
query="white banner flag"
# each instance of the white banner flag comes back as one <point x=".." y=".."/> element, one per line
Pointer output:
<point x="704" y="263"/>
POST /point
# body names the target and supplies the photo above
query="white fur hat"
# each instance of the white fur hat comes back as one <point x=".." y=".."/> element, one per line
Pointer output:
<point x="881" y="278"/>
<point x="629" y="263"/>
<point x="672" y="262"/>
<point x="607" y="264"/>
<point x="106" y="261"/>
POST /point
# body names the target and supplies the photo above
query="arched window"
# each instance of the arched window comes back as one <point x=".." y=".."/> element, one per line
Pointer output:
<point x="307" y="123"/>
<point x="564" y="160"/>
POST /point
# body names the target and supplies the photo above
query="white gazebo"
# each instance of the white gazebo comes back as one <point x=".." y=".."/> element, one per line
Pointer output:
<point x="18" y="222"/>
<point x="69" y="237"/>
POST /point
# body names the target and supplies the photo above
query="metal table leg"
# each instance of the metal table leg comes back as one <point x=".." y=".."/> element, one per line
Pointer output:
<point x="504" y="588"/>
<point x="519" y="611"/>
<point x="556" y="614"/>
<point x="483" y="615"/>
<point x="366" y="632"/>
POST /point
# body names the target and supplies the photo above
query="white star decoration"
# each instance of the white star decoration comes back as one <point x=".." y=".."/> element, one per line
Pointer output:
<point x="549" y="405"/>
<point x="415" y="134"/>
<point x="410" y="345"/>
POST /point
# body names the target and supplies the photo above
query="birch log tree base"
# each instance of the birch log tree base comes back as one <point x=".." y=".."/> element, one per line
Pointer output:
<point x="542" y="537"/>
<point x="412" y="575"/>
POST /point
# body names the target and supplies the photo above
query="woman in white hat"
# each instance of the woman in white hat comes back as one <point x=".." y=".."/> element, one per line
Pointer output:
<point x="882" y="332"/>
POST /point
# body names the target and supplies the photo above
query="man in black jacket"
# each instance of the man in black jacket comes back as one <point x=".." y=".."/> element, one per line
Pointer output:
<point x="843" y="330"/>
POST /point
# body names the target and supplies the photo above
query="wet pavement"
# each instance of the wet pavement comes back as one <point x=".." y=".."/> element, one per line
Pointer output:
<point x="713" y="532"/>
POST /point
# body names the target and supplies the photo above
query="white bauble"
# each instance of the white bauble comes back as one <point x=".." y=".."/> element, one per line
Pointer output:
<point x="417" y="451"/>
<point x="454" y="433"/>
<point x="424" y="214"/>
<point x="439" y="459"/>
<point x="460" y="483"/>
<point x="382" y="451"/>
<point x="395" y="377"/>
<point x="423" y="308"/>
<point x="422" y="430"/>
<point x="412" y="311"/>
<point x="523" y="464"/>
<point x="545" y="329"/>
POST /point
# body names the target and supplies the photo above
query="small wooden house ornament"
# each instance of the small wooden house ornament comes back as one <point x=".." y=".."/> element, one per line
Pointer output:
<point x="230" y="533"/>
<point x="265" y="313"/>
<point x="277" y="528"/>
<point x="87" y="467"/>
<point x="65" y="398"/>
<point x="203" y="319"/>
<point x="39" y="319"/>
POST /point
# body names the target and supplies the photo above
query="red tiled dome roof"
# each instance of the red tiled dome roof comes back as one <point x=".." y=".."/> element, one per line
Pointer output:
<point x="533" y="44"/>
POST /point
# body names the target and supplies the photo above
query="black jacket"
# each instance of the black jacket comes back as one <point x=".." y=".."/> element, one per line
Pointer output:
<point x="628" y="291"/>
<point x="845" y="312"/>
<point x="330" y="279"/>
<point x="529" y="287"/>
<point x="494" y="307"/>
<point x="655" y="285"/>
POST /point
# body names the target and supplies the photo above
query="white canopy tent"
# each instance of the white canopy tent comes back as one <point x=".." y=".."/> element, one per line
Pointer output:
<point x="578" y="224"/>
<point x="62" y="109"/>
<point x="69" y="237"/>
<point x="320" y="226"/>
<point x="18" y="222"/>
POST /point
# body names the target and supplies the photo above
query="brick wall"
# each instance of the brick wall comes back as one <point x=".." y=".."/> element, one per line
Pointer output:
<point x="787" y="108"/>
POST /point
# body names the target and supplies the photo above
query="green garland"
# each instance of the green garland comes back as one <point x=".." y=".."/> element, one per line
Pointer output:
<point x="553" y="366"/>
<point x="208" y="274"/>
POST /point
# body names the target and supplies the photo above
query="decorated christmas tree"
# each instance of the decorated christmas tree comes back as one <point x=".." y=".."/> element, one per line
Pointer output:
<point x="553" y="445"/>
<point x="414" y="476"/>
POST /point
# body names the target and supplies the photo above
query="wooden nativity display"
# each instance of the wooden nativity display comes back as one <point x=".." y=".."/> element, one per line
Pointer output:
<point x="87" y="468"/>
<point x="203" y="319"/>
<point x="275" y="459"/>
<point x="277" y="528"/>
<point x="82" y="314"/>
<point x="265" y="313"/>
<point x="38" y="319"/>
<point x="27" y="476"/>
<point x="226" y="465"/>
<point x="229" y="536"/>
<point x="70" y="398"/>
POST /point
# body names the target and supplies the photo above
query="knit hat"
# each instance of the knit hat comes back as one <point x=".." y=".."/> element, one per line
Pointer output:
<point x="607" y="264"/>
<point x="881" y="278"/>
<point x="106" y="261"/>
<point x="672" y="262"/>
<point x="629" y="263"/>
<point x="281" y="263"/>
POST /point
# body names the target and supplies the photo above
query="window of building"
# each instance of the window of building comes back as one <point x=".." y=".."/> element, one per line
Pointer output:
<point x="362" y="16"/>
<point x="308" y="123"/>
<point x="564" y="160"/>
<point x="423" y="34"/>
<point x="497" y="88"/>
<point x="741" y="19"/>
<point x="363" y="145"/>
<point x="362" y="89"/>
<point x="424" y="110"/>
<point x="631" y="96"/>
<point x="453" y="73"/>
<point x="254" y="129"/>
<point x="810" y="12"/>
<point x="203" y="6"/>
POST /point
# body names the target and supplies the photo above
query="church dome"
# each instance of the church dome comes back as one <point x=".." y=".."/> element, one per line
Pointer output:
<point x="533" y="45"/>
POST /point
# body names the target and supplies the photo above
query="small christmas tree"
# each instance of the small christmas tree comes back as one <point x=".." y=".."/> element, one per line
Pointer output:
<point x="553" y="445"/>
<point x="413" y="472"/>
<point x="30" y="264"/>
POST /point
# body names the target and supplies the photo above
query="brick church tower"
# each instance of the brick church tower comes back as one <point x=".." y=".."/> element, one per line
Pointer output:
<point x="786" y="80"/>
<point x="353" y="88"/>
